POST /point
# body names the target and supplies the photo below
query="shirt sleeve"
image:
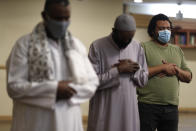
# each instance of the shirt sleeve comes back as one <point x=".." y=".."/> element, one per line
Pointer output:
<point x="42" y="94"/>
<point x="184" y="65"/>
<point x="86" y="89"/>
<point x="108" y="79"/>
<point x="141" y="76"/>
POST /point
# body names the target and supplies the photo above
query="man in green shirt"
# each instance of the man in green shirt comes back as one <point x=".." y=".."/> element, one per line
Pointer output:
<point x="158" y="102"/>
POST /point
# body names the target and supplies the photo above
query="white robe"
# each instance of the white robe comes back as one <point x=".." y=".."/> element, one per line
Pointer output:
<point x="35" y="107"/>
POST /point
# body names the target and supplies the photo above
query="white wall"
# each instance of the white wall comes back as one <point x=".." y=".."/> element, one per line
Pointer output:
<point x="16" y="18"/>
<point x="90" y="20"/>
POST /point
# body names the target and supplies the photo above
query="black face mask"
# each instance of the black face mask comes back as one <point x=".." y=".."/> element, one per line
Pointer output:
<point x="120" y="43"/>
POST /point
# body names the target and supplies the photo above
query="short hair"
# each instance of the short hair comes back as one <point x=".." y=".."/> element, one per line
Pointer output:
<point x="51" y="2"/>
<point x="153" y="22"/>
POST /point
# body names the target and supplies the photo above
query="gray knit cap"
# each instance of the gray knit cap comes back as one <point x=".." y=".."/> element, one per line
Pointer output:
<point x="125" y="22"/>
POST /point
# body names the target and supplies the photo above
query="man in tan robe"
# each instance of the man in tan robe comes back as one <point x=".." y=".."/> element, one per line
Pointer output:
<point x="120" y="65"/>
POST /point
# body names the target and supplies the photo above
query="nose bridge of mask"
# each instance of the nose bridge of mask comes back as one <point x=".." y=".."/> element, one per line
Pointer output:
<point x="60" y="24"/>
<point x="161" y="32"/>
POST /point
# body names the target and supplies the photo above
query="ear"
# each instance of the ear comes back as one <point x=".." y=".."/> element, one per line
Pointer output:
<point x="43" y="14"/>
<point x="113" y="30"/>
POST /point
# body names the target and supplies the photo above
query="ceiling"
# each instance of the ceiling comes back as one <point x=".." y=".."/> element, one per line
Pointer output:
<point x="168" y="7"/>
<point x="170" y="1"/>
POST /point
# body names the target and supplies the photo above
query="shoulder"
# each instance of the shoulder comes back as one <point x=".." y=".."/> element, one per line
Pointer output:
<point x="142" y="45"/>
<point x="173" y="46"/>
<point x="23" y="40"/>
<point x="176" y="48"/>
<point x="135" y="43"/>
<point x="99" y="43"/>
<point x="20" y="49"/>
<point x="136" y="46"/>
<point x="22" y="43"/>
<point x="147" y="43"/>
<point x="149" y="46"/>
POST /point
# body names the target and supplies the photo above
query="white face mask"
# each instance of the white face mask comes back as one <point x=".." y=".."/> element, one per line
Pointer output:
<point x="57" y="28"/>
<point x="164" y="36"/>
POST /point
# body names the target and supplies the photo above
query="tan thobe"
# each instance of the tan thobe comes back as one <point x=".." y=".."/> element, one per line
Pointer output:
<point x="114" y="106"/>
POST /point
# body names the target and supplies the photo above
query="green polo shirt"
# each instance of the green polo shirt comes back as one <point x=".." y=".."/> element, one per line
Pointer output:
<point x="163" y="90"/>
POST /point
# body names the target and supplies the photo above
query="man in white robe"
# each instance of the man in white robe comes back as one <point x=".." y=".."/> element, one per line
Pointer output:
<point x="49" y="75"/>
<point x="120" y="65"/>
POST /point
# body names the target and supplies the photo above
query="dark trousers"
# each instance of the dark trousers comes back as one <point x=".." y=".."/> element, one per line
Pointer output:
<point x="160" y="117"/>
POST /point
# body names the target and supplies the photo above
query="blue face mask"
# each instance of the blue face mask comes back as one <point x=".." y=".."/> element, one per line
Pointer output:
<point x="57" y="28"/>
<point x="164" y="36"/>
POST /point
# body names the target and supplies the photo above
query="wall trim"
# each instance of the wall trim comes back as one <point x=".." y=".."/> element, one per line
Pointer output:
<point x="143" y="21"/>
<point x="85" y="119"/>
<point x="187" y="110"/>
<point x="9" y="119"/>
<point x="5" y="118"/>
<point x="2" y="67"/>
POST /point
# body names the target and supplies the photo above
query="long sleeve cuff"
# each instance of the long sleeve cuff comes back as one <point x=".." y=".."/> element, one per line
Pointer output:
<point x="47" y="99"/>
<point x="140" y="77"/>
<point x="114" y="72"/>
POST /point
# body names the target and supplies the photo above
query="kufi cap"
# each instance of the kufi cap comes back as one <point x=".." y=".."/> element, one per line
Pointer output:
<point x="49" y="2"/>
<point x="125" y="22"/>
<point x="56" y="1"/>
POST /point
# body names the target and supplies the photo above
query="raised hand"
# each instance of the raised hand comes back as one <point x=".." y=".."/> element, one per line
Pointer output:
<point x="127" y="66"/>
<point x="169" y="69"/>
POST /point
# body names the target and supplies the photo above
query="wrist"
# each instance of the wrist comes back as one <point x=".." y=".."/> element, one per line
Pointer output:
<point x="177" y="71"/>
<point x="162" y="68"/>
<point x="119" y="70"/>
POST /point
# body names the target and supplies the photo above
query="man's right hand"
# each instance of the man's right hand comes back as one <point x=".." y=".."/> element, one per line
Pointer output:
<point x="127" y="66"/>
<point x="64" y="91"/>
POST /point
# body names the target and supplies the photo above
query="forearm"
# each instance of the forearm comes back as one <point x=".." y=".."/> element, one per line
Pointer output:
<point x="155" y="70"/>
<point x="184" y="76"/>
<point x="109" y="79"/>
<point x="36" y="94"/>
